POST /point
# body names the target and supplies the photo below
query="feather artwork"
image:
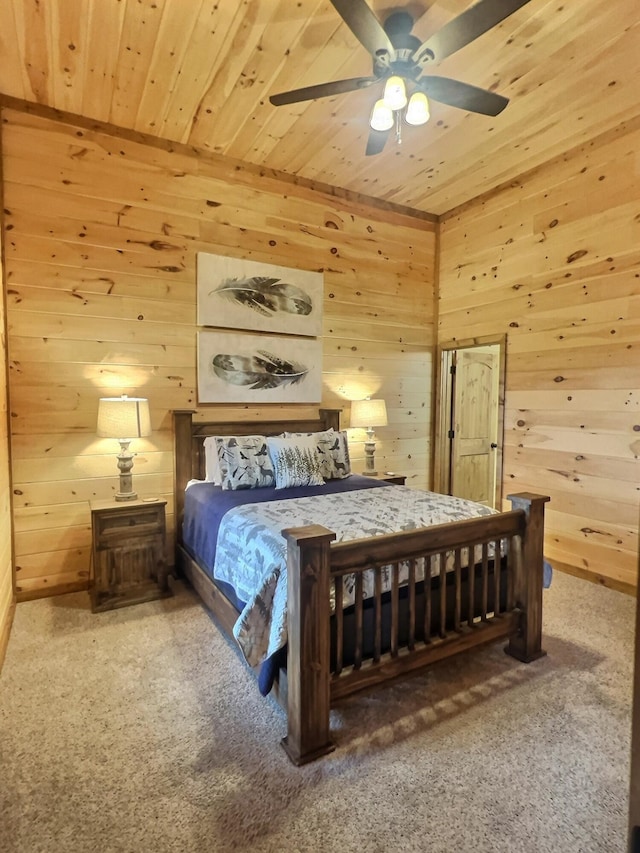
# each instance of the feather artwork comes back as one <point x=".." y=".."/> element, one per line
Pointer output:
<point x="266" y="295"/>
<point x="261" y="371"/>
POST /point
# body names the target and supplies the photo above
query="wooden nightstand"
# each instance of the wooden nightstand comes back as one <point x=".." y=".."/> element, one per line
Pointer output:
<point x="129" y="554"/>
<point x="396" y="479"/>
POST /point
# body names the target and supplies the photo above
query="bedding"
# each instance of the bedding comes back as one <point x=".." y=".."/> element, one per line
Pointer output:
<point x="251" y="552"/>
<point x="295" y="461"/>
<point x="244" y="462"/>
<point x="212" y="463"/>
<point x="206" y="504"/>
<point x="333" y="452"/>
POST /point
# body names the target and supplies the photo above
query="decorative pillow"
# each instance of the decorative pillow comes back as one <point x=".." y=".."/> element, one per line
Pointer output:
<point x="333" y="453"/>
<point x="295" y="461"/>
<point x="244" y="462"/>
<point x="211" y="461"/>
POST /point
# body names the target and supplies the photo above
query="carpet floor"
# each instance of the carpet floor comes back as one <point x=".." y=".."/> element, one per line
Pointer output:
<point x="141" y="730"/>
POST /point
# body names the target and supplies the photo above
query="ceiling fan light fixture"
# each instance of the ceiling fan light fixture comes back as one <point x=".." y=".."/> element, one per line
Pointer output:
<point x="381" y="116"/>
<point x="418" y="109"/>
<point x="395" y="93"/>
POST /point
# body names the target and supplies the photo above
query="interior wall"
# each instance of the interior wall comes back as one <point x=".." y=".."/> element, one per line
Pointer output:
<point x="553" y="261"/>
<point x="101" y="239"/>
<point x="6" y="565"/>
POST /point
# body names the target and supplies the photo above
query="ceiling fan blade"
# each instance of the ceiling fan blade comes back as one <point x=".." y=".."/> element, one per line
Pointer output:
<point x="376" y="141"/>
<point x="322" y="90"/>
<point x="462" y="95"/>
<point x="464" y="29"/>
<point x="364" y="25"/>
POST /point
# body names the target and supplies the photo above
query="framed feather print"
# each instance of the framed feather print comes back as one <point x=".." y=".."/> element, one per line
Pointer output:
<point x="236" y="367"/>
<point x="240" y="294"/>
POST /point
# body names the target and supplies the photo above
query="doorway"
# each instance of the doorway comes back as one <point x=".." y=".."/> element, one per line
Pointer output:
<point x="470" y="420"/>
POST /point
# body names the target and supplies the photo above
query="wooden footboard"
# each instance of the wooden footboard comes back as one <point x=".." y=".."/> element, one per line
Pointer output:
<point x="490" y="605"/>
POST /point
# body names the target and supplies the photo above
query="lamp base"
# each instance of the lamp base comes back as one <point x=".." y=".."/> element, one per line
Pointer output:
<point x="125" y="464"/>
<point x="369" y="465"/>
<point x="126" y="496"/>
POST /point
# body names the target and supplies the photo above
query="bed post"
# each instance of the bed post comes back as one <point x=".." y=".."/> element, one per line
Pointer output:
<point x="182" y="425"/>
<point x="308" y="651"/>
<point x="527" y="645"/>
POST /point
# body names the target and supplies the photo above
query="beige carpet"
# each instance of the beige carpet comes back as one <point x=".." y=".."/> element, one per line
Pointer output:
<point x="140" y="730"/>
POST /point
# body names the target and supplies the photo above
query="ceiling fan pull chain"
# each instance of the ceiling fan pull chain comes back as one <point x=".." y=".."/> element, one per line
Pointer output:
<point x="398" y="128"/>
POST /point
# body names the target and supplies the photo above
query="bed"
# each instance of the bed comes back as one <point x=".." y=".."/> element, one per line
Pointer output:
<point x="417" y="596"/>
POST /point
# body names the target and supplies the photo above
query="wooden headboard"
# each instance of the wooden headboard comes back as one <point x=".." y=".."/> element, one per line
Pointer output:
<point x="189" y="436"/>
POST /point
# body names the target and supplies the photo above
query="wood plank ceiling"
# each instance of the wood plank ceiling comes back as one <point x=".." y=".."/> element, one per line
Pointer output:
<point x="200" y="72"/>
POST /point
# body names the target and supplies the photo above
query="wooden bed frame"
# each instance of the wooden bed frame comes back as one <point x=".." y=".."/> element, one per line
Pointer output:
<point x="486" y="607"/>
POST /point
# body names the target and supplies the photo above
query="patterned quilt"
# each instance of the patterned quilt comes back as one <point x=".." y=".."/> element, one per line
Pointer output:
<point x="251" y="552"/>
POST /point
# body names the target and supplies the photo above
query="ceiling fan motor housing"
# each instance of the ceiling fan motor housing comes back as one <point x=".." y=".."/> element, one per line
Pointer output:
<point x="398" y="27"/>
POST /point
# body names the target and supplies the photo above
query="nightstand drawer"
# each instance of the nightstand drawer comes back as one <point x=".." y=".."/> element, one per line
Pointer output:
<point x="119" y="524"/>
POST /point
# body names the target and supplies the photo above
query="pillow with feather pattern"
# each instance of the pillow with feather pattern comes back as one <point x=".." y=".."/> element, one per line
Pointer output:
<point x="211" y="461"/>
<point x="244" y="462"/>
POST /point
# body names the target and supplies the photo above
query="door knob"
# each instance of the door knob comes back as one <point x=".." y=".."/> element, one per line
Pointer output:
<point x="493" y="445"/>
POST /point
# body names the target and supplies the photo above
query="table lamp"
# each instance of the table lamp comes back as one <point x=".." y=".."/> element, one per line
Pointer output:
<point x="124" y="418"/>
<point x="369" y="414"/>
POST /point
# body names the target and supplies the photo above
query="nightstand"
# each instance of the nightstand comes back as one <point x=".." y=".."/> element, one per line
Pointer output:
<point x="129" y="553"/>
<point x="396" y="479"/>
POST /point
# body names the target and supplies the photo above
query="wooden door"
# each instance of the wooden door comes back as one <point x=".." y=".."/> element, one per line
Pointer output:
<point x="475" y="405"/>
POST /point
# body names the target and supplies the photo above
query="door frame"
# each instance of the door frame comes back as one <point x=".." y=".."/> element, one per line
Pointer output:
<point x="443" y="410"/>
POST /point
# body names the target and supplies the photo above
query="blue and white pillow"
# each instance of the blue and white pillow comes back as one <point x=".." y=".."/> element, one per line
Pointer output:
<point x="244" y="462"/>
<point x="333" y="452"/>
<point x="211" y="461"/>
<point x="295" y="461"/>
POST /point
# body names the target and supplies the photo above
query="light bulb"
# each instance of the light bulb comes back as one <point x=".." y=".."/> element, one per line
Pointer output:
<point x="395" y="94"/>
<point x="418" y="109"/>
<point x="381" y="116"/>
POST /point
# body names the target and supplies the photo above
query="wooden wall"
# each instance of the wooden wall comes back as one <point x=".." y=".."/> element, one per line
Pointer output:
<point x="101" y="235"/>
<point x="6" y="564"/>
<point x="553" y="260"/>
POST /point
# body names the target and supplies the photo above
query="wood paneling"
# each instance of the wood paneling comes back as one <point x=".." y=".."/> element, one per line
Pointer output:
<point x="101" y="235"/>
<point x="200" y="73"/>
<point x="553" y="262"/>
<point x="7" y="597"/>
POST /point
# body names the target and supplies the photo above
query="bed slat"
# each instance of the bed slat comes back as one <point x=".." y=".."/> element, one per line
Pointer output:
<point x="497" y="563"/>
<point x="359" y="607"/>
<point x="411" y="641"/>
<point x="443" y="594"/>
<point x="457" y="569"/>
<point x="377" y="628"/>
<point x="485" y="581"/>
<point x="339" y="615"/>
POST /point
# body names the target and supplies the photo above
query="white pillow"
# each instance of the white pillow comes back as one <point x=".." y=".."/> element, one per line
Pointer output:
<point x="295" y="461"/>
<point x="211" y="461"/>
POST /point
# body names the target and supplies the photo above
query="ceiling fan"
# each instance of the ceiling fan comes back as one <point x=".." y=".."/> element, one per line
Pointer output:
<point x="399" y="58"/>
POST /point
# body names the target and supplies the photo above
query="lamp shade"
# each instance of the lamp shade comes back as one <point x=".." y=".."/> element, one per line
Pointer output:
<point x="123" y="417"/>
<point x="368" y="413"/>
<point x="381" y="117"/>
<point x="395" y="94"/>
<point x="418" y="110"/>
